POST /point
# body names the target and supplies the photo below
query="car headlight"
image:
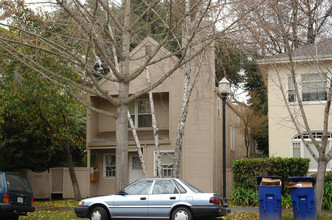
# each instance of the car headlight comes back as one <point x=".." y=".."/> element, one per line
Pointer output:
<point x="81" y="202"/>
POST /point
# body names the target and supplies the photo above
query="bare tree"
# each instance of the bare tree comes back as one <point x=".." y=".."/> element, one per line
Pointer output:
<point x="249" y="125"/>
<point x="305" y="22"/>
<point x="78" y="33"/>
<point x="283" y="27"/>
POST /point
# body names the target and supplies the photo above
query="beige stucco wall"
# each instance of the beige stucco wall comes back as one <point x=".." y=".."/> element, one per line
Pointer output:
<point x="281" y="129"/>
<point x="201" y="154"/>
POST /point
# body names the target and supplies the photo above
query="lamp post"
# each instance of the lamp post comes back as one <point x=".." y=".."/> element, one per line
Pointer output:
<point x="224" y="89"/>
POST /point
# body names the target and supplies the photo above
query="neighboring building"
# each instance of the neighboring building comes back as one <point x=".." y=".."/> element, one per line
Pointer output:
<point x="313" y="65"/>
<point x="201" y="162"/>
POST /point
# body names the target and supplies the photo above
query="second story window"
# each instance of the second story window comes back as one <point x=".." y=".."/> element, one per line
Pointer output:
<point x="291" y="94"/>
<point x="141" y="113"/>
<point x="312" y="87"/>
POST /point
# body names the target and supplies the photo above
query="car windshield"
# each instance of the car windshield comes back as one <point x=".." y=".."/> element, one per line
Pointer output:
<point x="17" y="183"/>
<point x="192" y="188"/>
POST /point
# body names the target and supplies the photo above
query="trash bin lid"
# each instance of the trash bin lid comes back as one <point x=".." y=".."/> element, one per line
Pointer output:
<point x="302" y="179"/>
<point x="259" y="178"/>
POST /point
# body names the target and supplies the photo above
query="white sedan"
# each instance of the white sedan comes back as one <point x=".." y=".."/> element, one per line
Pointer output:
<point x="155" y="198"/>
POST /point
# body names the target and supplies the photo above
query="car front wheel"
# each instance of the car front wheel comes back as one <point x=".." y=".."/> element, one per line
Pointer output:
<point x="98" y="213"/>
<point x="182" y="213"/>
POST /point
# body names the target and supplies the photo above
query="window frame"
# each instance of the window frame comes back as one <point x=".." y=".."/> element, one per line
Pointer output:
<point x="297" y="140"/>
<point x="155" y="164"/>
<point x="300" y="81"/>
<point x="136" y="114"/>
<point x="160" y="183"/>
<point x="104" y="166"/>
<point x="218" y="107"/>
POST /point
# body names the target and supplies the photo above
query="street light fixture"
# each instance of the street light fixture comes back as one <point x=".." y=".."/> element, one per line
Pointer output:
<point x="224" y="89"/>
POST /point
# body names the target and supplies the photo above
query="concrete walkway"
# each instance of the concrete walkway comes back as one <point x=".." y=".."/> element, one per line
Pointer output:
<point x="253" y="209"/>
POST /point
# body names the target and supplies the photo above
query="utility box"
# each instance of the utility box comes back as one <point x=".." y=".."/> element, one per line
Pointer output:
<point x="269" y="194"/>
<point x="303" y="197"/>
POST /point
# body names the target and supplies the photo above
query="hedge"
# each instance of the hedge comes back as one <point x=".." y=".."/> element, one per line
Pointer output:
<point x="245" y="171"/>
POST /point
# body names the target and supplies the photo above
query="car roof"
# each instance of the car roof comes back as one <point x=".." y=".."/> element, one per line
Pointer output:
<point x="160" y="178"/>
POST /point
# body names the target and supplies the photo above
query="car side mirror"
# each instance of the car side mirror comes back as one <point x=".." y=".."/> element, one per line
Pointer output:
<point x="122" y="193"/>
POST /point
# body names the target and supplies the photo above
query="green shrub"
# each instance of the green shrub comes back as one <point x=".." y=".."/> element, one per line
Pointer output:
<point x="327" y="198"/>
<point x="243" y="197"/>
<point x="286" y="201"/>
<point x="245" y="171"/>
<point x="328" y="176"/>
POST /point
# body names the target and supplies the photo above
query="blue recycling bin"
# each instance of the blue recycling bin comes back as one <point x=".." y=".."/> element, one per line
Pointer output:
<point x="303" y="198"/>
<point x="269" y="199"/>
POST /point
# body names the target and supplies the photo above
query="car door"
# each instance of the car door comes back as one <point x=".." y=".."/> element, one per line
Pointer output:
<point x="162" y="198"/>
<point x="132" y="201"/>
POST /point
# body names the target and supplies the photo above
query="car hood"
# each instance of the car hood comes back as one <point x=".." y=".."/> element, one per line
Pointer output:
<point x="98" y="199"/>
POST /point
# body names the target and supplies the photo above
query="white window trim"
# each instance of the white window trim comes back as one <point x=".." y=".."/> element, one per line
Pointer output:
<point x="298" y="79"/>
<point x="155" y="158"/>
<point x="104" y="165"/>
<point x="302" y="146"/>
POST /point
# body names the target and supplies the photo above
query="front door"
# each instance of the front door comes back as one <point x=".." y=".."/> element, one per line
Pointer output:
<point x="135" y="168"/>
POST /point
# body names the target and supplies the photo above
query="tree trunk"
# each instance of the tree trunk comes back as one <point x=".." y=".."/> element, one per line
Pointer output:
<point x="77" y="192"/>
<point x="121" y="171"/>
<point x="155" y="128"/>
<point x="320" y="184"/>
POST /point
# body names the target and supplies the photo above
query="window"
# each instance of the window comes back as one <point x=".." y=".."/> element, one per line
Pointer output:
<point x="232" y="137"/>
<point x="141" y="113"/>
<point x="291" y="94"/>
<point x="180" y="188"/>
<point x="164" y="187"/>
<point x="218" y="110"/>
<point x="139" y="188"/>
<point x="167" y="158"/>
<point x="312" y="87"/>
<point x="300" y="150"/>
<point x="109" y="165"/>
<point x="296" y="150"/>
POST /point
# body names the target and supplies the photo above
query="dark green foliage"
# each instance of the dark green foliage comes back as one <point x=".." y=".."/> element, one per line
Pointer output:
<point x="238" y="65"/>
<point x="35" y="117"/>
<point x="327" y="197"/>
<point x="262" y="138"/>
<point x="229" y="60"/>
<point x="286" y="201"/>
<point x="22" y="148"/>
<point x="243" y="197"/>
<point x="328" y="176"/>
<point x="245" y="171"/>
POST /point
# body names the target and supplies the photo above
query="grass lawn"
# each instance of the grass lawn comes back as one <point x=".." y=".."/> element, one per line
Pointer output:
<point x="64" y="209"/>
<point x="53" y="210"/>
